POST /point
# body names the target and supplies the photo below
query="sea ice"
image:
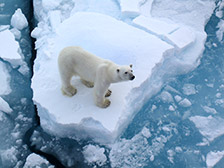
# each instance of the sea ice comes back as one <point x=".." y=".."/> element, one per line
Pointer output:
<point x="185" y="103"/>
<point x="94" y="154"/>
<point x="220" y="30"/>
<point x="130" y="7"/>
<point x="5" y="80"/>
<point x="189" y="89"/>
<point x="11" y="52"/>
<point x="18" y="20"/>
<point x="34" y="160"/>
<point x="210" y="127"/>
<point x="163" y="48"/>
<point x="79" y="112"/>
<point x="213" y="158"/>
<point x="4" y="106"/>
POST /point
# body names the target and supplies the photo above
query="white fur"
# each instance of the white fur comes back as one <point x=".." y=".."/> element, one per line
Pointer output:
<point x="92" y="70"/>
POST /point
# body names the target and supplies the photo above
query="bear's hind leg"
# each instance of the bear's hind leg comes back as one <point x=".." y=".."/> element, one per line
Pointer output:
<point x="87" y="83"/>
<point x="69" y="90"/>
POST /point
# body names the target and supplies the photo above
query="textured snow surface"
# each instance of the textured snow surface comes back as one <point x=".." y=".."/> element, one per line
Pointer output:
<point x="157" y="45"/>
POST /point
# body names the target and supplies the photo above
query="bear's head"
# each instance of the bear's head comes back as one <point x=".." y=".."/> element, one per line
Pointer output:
<point x="125" y="72"/>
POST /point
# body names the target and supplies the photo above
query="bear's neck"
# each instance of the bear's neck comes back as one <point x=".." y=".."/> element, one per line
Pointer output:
<point x="112" y="75"/>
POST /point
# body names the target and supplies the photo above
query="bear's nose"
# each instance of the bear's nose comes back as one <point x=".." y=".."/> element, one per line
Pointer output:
<point x="133" y="77"/>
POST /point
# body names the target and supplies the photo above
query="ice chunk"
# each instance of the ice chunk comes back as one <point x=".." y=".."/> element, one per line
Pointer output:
<point x="94" y="154"/>
<point x="11" y="52"/>
<point x="108" y="38"/>
<point x="177" y="35"/>
<point x="177" y="98"/>
<point x="8" y="156"/>
<point x="185" y="103"/>
<point x="4" y="106"/>
<point x="210" y="127"/>
<point x="184" y="12"/>
<point x="130" y="7"/>
<point x="50" y="4"/>
<point x="166" y="97"/>
<point x="5" y="79"/>
<point x="189" y="89"/>
<point x="213" y="158"/>
<point x="209" y="110"/>
<point x="18" y="20"/>
<point x="34" y="160"/>
<point x="220" y="30"/>
<point x="16" y="33"/>
<point x="9" y="47"/>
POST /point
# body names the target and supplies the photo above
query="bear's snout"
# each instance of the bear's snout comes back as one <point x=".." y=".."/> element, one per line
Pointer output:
<point x="132" y="78"/>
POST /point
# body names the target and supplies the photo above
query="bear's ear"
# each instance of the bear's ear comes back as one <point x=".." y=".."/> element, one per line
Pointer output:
<point x="118" y="70"/>
<point x="131" y="65"/>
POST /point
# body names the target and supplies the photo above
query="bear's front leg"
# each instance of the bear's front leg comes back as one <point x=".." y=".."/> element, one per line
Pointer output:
<point x="100" y="90"/>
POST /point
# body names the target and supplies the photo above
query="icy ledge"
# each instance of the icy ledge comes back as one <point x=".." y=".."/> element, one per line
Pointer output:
<point x="153" y="61"/>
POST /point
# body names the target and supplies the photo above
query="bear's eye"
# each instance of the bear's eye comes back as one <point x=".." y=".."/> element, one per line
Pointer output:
<point x="126" y="72"/>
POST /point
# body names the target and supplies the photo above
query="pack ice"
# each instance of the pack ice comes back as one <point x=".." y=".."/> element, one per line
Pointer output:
<point x="157" y="48"/>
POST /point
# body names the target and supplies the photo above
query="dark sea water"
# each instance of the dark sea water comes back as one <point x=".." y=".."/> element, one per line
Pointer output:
<point x="175" y="141"/>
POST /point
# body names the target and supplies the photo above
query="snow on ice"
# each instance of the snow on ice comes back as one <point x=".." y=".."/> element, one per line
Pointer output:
<point x="157" y="44"/>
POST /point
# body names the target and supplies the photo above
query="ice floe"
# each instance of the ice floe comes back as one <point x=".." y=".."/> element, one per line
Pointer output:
<point x="158" y="45"/>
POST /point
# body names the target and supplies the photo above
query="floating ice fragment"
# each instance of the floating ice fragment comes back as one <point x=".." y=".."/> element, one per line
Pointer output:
<point x="171" y="108"/>
<point x="178" y="98"/>
<point x="94" y="154"/>
<point x="213" y="157"/>
<point x="5" y="80"/>
<point x="146" y="132"/>
<point x="220" y="30"/>
<point x="18" y="20"/>
<point x="210" y="127"/>
<point x="185" y="103"/>
<point x="189" y="89"/>
<point x="4" y="106"/>
<point x="166" y="97"/>
<point x="209" y="110"/>
<point x="36" y="161"/>
<point x="16" y="33"/>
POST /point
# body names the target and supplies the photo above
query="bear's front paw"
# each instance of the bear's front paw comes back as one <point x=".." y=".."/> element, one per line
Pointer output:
<point x="108" y="93"/>
<point x="106" y="103"/>
<point x="69" y="91"/>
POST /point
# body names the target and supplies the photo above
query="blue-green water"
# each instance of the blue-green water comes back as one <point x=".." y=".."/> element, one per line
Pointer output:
<point x="174" y="139"/>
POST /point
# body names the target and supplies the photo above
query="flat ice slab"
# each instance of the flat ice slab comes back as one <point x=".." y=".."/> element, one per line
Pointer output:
<point x="179" y="36"/>
<point x="105" y="37"/>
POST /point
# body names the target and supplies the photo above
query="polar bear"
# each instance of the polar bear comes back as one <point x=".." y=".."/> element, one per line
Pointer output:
<point x="93" y="71"/>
